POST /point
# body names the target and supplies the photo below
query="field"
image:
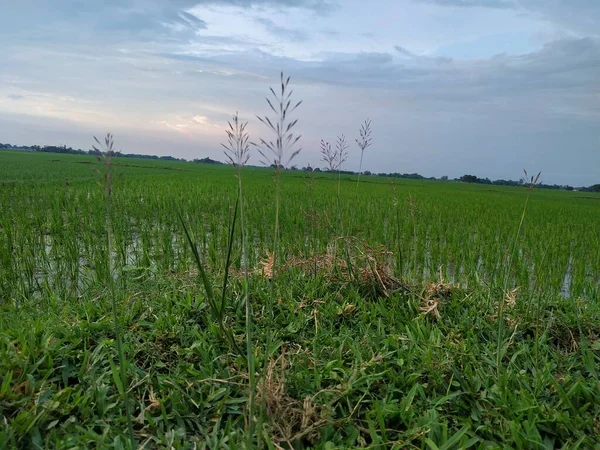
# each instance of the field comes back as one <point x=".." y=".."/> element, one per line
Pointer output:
<point x="384" y="314"/>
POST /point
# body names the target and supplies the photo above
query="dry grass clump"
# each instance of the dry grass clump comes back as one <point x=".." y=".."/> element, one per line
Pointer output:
<point x="435" y="293"/>
<point x="509" y="302"/>
<point x="291" y="420"/>
<point x="366" y="267"/>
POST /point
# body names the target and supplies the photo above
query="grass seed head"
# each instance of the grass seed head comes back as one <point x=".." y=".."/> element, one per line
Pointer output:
<point x="237" y="149"/>
<point x="274" y="152"/>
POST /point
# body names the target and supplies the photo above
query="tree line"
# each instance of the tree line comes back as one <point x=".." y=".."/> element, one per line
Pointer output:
<point x="413" y="176"/>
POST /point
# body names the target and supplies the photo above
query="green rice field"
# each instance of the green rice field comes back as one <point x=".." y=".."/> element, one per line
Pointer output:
<point x="380" y="314"/>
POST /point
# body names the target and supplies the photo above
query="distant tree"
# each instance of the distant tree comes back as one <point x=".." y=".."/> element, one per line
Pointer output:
<point x="468" y="179"/>
<point x="444" y="178"/>
<point x="207" y="160"/>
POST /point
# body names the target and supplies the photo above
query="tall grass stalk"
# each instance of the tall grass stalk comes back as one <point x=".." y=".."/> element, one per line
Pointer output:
<point x="106" y="151"/>
<point x="341" y="147"/>
<point x="364" y="141"/>
<point x="531" y="182"/>
<point x="341" y="153"/>
<point x="237" y="152"/>
<point x="274" y="153"/>
<point x="310" y="181"/>
<point x="396" y="203"/>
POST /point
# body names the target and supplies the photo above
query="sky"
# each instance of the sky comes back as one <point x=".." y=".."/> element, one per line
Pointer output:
<point x="484" y="87"/>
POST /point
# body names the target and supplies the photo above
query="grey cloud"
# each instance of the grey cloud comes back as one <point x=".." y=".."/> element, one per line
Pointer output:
<point x="282" y="32"/>
<point x="78" y="22"/>
<point x="192" y="20"/>
<point x="413" y="56"/>
<point x="473" y="3"/>
<point x="330" y="33"/>
<point x="15" y="96"/>
<point x="118" y="22"/>
<point x="582" y="16"/>
<point x="559" y="79"/>
<point x="560" y="65"/>
<point x="404" y="51"/>
<point x="316" y="5"/>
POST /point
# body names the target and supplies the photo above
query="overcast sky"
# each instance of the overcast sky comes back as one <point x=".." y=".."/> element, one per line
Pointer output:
<point x="487" y="87"/>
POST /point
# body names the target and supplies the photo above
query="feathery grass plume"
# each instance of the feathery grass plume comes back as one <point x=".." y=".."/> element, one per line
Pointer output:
<point x="530" y="182"/>
<point x="341" y="149"/>
<point x="106" y="150"/>
<point x="237" y="152"/>
<point x="364" y="141"/>
<point x="237" y="149"/>
<point x="329" y="156"/>
<point x="273" y="151"/>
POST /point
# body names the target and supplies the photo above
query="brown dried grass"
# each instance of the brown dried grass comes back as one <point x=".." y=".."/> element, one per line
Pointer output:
<point x="291" y="419"/>
<point x="433" y="296"/>
<point x="347" y="261"/>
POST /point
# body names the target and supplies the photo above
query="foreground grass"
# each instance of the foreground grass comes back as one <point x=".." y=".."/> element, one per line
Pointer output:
<point x="378" y="374"/>
<point x="412" y="365"/>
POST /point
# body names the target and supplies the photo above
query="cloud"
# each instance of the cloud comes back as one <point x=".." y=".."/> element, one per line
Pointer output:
<point x="581" y="16"/>
<point x="569" y="66"/>
<point x="15" y="96"/>
<point x="423" y="58"/>
<point x="197" y="123"/>
<point x="282" y="32"/>
<point x="315" y="5"/>
<point x="473" y="3"/>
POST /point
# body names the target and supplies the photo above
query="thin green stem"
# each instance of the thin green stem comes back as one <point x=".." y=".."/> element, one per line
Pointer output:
<point x="506" y="283"/>
<point x="111" y="282"/>
<point x="249" y="346"/>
